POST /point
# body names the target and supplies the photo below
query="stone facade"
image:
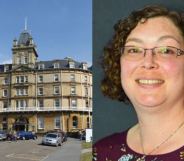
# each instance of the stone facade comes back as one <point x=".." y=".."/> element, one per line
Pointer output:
<point x="44" y="95"/>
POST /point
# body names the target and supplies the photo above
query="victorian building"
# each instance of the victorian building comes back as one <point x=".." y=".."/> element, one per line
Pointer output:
<point x="43" y="95"/>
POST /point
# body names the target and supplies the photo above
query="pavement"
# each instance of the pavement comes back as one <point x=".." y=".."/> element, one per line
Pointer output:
<point x="70" y="151"/>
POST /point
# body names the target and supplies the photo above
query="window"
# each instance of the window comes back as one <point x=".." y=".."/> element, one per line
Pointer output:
<point x="72" y="77"/>
<point x="57" y="122"/>
<point x="22" y="91"/>
<point x="6" y="68"/>
<point x="57" y="103"/>
<point x="6" y="80"/>
<point x="21" y="79"/>
<point x="40" y="123"/>
<point x="84" y="66"/>
<point x="56" y="77"/>
<point x="21" y="103"/>
<point x="71" y="64"/>
<point x="5" y="104"/>
<point x="73" y="90"/>
<point x="40" y="90"/>
<point x="87" y="103"/>
<point x="56" y="90"/>
<point x="41" y="66"/>
<point x="73" y="103"/>
<point x="75" y="122"/>
<point x="25" y="60"/>
<point x="86" y="91"/>
<point x="40" y="78"/>
<point x="5" y="93"/>
<point x="56" y="65"/>
<point x="40" y="103"/>
<point x="85" y="78"/>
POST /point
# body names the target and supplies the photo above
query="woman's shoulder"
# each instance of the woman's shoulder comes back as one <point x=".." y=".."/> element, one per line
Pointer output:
<point x="113" y="139"/>
<point x="110" y="146"/>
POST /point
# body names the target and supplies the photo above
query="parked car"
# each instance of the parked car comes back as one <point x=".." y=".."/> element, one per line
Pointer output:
<point x="26" y="135"/>
<point x="63" y="134"/>
<point x="3" y="135"/>
<point x="52" y="139"/>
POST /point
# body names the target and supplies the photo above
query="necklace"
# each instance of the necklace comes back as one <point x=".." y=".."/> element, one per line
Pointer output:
<point x="159" y="145"/>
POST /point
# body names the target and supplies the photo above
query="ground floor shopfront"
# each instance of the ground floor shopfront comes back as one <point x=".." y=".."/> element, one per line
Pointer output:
<point x="41" y="122"/>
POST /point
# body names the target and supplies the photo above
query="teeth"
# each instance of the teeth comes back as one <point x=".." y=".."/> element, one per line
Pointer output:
<point x="149" y="81"/>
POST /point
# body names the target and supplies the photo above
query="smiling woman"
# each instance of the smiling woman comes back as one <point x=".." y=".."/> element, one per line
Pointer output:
<point x="142" y="65"/>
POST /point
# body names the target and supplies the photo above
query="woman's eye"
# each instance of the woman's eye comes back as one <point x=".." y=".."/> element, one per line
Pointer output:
<point x="166" y="51"/>
<point x="134" y="50"/>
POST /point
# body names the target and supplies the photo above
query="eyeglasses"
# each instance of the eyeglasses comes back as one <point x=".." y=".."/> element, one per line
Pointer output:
<point x="160" y="53"/>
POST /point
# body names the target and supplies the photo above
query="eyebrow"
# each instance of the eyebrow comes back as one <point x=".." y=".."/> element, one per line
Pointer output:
<point x="134" y="40"/>
<point x="169" y="37"/>
<point x="160" y="39"/>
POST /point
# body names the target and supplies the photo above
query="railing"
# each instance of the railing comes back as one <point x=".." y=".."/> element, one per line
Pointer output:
<point x="32" y="109"/>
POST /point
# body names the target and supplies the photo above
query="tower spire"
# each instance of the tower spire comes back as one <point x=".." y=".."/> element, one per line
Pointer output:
<point x="25" y="25"/>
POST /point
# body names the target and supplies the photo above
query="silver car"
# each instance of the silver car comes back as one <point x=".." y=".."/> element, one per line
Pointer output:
<point x="3" y="135"/>
<point x="52" y="139"/>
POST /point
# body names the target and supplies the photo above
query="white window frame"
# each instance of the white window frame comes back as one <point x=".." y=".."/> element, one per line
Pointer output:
<point x="86" y="91"/>
<point x="71" y="65"/>
<point x="57" y="121"/>
<point x="40" y="78"/>
<point x="73" y="90"/>
<point x="57" y="102"/>
<point x="5" y="93"/>
<point x="40" y="91"/>
<point x="72" y="77"/>
<point x="6" y="68"/>
<point x="56" y="77"/>
<point x="56" y="90"/>
<point x="40" y="122"/>
<point x="56" y="65"/>
<point x="40" y="103"/>
<point x="6" y="80"/>
<point x="21" y="103"/>
<point x="41" y="66"/>
<point x="73" y="103"/>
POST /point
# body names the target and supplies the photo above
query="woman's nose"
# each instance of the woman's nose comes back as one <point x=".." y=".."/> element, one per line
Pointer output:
<point x="149" y="61"/>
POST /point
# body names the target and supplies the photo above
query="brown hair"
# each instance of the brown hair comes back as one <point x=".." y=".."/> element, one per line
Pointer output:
<point x="111" y="84"/>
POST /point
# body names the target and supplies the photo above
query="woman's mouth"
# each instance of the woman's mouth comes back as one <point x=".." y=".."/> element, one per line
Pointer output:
<point x="149" y="81"/>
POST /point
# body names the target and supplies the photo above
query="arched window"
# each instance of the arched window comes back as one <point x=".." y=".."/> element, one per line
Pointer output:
<point x="75" y="122"/>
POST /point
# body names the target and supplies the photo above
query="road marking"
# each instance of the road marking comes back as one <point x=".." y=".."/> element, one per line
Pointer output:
<point x="23" y="156"/>
<point x="44" y="158"/>
<point x="9" y="155"/>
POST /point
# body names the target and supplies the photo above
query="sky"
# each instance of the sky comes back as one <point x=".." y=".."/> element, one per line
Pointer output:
<point x="60" y="28"/>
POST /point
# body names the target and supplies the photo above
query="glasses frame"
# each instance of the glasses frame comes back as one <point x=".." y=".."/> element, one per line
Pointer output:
<point x="179" y="51"/>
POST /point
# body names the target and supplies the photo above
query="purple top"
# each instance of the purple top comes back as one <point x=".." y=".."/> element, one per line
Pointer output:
<point x="115" y="148"/>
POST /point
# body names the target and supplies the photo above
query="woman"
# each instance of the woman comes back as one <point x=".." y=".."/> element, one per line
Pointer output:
<point x="144" y="65"/>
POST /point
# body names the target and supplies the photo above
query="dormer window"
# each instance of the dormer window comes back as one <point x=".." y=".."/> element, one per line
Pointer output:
<point x="84" y="66"/>
<point x="56" y="65"/>
<point x="6" y="68"/>
<point x="41" y="66"/>
<point x="71" y="64"/>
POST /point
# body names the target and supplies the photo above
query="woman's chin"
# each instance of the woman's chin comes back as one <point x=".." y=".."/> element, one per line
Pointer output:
<point x="149" y="101"/>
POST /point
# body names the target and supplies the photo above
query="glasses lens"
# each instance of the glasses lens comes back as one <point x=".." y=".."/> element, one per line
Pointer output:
<point x="166" y="51"/>
<point x="133" y="52"/>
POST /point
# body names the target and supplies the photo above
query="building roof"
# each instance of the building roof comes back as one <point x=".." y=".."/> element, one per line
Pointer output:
<point x="24" y="38"/>
<point x="49" y="65"/>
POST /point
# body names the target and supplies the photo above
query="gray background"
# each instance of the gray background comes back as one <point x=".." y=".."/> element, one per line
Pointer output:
<point x="111" y="116"/>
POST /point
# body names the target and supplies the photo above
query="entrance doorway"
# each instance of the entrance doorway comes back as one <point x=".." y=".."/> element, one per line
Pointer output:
<point x="21" y="124"/>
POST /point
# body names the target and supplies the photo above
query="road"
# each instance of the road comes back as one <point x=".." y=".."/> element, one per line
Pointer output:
<point x="32" y="150"/>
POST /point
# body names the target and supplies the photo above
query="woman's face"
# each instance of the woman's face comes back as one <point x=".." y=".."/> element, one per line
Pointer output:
<point x="151" y="82"/>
